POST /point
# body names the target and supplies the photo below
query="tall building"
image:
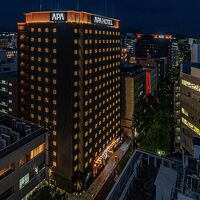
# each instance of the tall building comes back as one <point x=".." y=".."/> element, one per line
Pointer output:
<point x="23" y="157"/>
<point x="128" y="43"/>
<point x="158" y="46"/>
<point x="133" y="85"/>
<point x="8" y="85"/>
<point x="69" y="82"/>
<point x="195" y="52"/>
<point x="190" y="105"/>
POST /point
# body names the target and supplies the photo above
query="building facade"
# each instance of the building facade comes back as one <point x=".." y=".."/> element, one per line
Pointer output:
<point x="69" y="82"/>
<point x="158" y="46"/>
<point x="133" y="86"/>
<point x="190" y="105"/>
<point x="8" y="85"/>
<point x="151" y="80"/>
<point x="23" y="157"/>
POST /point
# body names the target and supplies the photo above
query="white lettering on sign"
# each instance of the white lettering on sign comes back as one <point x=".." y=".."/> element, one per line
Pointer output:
<point x="58" y="17"/>
<point x="104" y="21"/>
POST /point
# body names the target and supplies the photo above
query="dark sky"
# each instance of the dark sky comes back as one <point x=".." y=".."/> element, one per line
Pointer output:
<point x="177" y="16"/>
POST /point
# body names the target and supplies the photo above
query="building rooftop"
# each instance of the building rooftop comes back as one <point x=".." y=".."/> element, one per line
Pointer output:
<point x="166" y="177"/>
<point x="69" y="17"/>
<point x="186" y="68"/>
<point x="14" y="133"/>
<point x="131" y="69"/>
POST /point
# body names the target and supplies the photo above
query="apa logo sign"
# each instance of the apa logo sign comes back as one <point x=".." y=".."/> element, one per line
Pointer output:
<point x="58" y="16"/>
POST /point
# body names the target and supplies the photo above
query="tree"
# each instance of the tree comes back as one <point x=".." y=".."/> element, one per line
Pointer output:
<point x="47" y="192"/>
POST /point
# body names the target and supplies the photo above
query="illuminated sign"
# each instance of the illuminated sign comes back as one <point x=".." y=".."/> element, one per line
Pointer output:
<point x="103" y="21"/>
<point x="58" y="16"/>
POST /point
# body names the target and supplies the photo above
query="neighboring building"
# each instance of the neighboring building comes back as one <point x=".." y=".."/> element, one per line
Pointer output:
<point x="159" y="63"/>
<point x="8" y="40"/>
<point x="11" y="53"/>
<point x="177" y="115"/>
<point x="151" y="80"/>
<point x="195" y="53"/>
<point x="128" y="43"/>
<point x="8" y="85"/>
<point x="190" y="105"/>
<point x="23" y="157"/>
<point x="69" y="82"/>
<point x="158" y="46"/>
<point x="133" y="86"/>
<point x="158" y="178"/>
<point x="184" y="49"/>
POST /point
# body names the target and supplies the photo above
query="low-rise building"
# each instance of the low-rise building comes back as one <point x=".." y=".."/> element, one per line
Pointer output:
<point x="23" y="157"/>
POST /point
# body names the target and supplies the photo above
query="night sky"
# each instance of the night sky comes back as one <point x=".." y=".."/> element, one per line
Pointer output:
<point x="172" y="16"/>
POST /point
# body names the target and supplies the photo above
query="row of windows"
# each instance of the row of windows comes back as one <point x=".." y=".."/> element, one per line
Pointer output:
<point x="47" y="60"/>
<point x="39" y="49"/>
<point x="99" y="50"/>
<point x="100" y="41"/>
<point x="100" y="32"/>
<point x="46" y="30"/>
<point x="46" y="40"/>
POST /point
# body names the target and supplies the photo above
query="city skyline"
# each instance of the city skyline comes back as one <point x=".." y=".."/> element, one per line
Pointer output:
<point x="163" y="16"/>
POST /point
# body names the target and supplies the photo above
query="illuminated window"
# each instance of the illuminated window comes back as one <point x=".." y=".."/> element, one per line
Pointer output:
<point x="185" y="112"/>
<point x="54" y="143"/>
<point x="54" y="40"/>
<point x="54" y="163"/>
<point x="37" y="151"/>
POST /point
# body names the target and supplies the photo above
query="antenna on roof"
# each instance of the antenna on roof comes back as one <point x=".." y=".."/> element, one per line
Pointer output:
<point x="106" y="5"/>
<point x="78" y="5"/>
<point x="40" y="5"/>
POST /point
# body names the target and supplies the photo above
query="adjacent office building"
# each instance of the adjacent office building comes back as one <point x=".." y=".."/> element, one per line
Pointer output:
<point x="128" y="43"/>
<point x="69" y="82"/>
<point x="195" y="52"/>
<point x="8" y="85"/>
<point x="158" y="46"/>
<point x="133" y="86"/>
<point x="8" y="40"/>
<point x="23" y="157"/>
<point x="190" y="105"/>
<point x="159" y="63"/>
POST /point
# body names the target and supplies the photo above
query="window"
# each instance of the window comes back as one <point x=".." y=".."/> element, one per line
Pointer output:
<point x="22" y="161"/>
<point x="37" y="151"/>
<point x="6" y="170"/>
<point x="24" y="181"/>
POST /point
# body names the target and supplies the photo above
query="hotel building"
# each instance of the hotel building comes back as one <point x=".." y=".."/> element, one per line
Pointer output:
<point x="69" y="82"/>
<point x="190" y="105"/>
